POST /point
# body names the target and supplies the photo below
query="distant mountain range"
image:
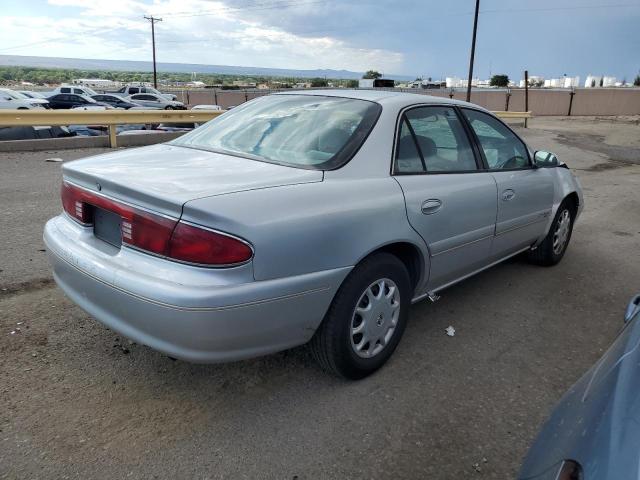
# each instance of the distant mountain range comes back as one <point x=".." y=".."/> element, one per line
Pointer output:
<point x="144" y="66"/>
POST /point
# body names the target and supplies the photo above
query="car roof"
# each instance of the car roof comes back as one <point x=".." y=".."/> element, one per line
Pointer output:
<point x="383" y="97"/>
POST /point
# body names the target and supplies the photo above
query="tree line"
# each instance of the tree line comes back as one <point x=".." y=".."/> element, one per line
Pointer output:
<point x="43" y="76"/>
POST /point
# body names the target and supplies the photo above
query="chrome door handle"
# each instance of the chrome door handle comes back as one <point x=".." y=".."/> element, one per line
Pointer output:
<point x="431" y="206"/>
<point x="508" y="194"/>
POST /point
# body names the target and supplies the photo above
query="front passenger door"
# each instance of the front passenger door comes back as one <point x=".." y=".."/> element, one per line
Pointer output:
<point x="450" y="201"/>
<point x="525" y="193"/>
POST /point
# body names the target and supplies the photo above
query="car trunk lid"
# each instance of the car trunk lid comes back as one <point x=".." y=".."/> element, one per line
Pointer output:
<point x="164" y="177"/>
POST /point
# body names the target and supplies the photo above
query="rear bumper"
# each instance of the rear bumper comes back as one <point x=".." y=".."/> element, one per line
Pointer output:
<point x="195" y="314"/>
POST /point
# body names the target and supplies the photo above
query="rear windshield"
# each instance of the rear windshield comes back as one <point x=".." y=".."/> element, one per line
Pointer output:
<point x="303" y="131"/>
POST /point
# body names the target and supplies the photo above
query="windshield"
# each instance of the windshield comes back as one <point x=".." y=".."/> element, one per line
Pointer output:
<point x="304" y="131"/>
<point x="15" y="95"/>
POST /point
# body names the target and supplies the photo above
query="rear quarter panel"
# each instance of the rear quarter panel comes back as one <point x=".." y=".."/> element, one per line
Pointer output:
<point x="305" y="228"/>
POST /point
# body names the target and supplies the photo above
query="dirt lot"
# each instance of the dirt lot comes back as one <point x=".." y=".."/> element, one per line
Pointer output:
<point x="78" y="401"/>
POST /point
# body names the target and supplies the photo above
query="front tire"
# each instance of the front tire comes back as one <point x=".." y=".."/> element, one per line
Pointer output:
<point x="366" y="319"/>
<point x="555" y="244"/>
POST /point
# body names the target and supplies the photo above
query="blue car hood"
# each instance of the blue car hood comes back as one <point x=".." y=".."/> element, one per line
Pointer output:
<point x="597" y="422"/>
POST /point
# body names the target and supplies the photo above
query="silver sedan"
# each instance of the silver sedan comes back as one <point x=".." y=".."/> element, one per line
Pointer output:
<point x="155" y="101"/>
<point x="304" y="217"/>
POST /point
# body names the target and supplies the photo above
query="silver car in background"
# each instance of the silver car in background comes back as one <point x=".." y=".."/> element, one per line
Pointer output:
<point x="155" y="101"/>
<point x="302" y="217"/>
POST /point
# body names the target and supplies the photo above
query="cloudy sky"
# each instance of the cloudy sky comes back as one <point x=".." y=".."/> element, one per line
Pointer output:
<point x="410" y="37"/>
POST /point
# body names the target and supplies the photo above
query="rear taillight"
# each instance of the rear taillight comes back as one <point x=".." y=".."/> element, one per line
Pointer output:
<point x="73" y="203"/>
<point x="196" y="245"/>
<point x="158" y="234"/>
<point x="140" y="229"/>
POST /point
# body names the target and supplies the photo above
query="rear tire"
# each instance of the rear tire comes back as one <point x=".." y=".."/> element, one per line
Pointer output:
<point x="168" y="107"/>
<point x="555" y="244"/>
<point x="366" y="319"/>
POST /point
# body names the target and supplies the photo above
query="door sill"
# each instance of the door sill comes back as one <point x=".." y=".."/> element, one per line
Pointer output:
<point x="432" y="292"/>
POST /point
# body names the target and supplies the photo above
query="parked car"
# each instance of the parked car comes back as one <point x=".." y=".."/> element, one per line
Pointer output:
<point x="151" y="100"/>
<point x="32" y="133"/>
<point x="206" y="107"/>
<point x="87" y="130"/>
<point x="593" y="431"/>
<point x="302" y="217"/>
<point x="115" y="101"/>
<point x="74" y="89"/>
<point x="129" y="90"/>
<point x="101" y="106"/>
<point x="10" y="99"/>
<point x="67" y="100"/>
<point x="31" y="94"/>
<point x="176" y="127"/>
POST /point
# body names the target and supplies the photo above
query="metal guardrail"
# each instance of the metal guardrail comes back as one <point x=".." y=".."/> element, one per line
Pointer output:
<point x="513" y="114"/>
<point x="109" y="118"/>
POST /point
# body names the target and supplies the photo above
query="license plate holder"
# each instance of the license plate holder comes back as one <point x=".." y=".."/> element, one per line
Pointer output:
<point x="106" y="226"/>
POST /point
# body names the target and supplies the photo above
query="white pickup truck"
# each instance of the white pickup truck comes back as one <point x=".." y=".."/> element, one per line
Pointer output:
<point x="128" y="90"/>
<point x="74" y="89"/>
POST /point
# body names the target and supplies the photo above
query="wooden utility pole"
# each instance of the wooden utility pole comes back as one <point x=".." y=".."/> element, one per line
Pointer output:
<point x="526" y="95"/>
<point x="153" y="21"/>
<point x="473" y="50"/>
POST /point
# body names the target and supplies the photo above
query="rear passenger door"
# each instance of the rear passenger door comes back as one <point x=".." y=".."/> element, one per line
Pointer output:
<point x="450" y="200"/>
<point x="525" y="193"/>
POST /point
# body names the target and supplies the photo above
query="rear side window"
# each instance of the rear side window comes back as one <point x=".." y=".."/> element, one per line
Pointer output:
<point x="502" y="148"/>
<point x="432" y="139"/>
<point x="133" y="90"/>
<point x="65" y="90"/>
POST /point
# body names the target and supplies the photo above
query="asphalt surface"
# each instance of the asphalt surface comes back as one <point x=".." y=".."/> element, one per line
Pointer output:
<point x="78" y="401"/>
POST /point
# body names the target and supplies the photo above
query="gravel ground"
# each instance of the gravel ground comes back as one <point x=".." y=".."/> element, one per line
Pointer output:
<point x="78" y="401"/>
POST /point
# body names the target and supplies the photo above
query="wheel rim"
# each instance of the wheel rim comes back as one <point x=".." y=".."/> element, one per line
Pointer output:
<point x="375" y="318"/>
<point x="561" y="233"/>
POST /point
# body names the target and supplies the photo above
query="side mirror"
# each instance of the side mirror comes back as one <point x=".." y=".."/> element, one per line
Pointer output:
<point x="633" y="309"/>
<point x="545" y="159"/>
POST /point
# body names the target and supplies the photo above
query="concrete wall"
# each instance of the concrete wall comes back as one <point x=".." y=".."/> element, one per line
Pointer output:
<point x="587" y="101"/>
<point x="85" y="142"/>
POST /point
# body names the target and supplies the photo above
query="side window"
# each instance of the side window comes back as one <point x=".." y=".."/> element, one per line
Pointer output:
<point x="502" y="148"/>
<point x="65" y="90"/>
<point x="432" y="139"/>
<point x="133" y="90"/>
<point x="408" y="160"/>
